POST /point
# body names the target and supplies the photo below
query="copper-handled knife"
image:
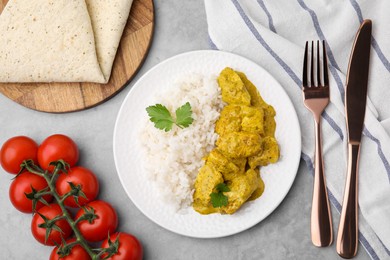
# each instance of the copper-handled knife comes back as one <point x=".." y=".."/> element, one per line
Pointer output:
<point x="355" y="108"/>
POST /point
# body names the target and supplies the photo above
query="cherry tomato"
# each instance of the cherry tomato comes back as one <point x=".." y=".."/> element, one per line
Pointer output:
<point x="78" y="176"/>
<point x="57" y="147"/>
<point x="106" y="221"/>
<point x="129" y="247"/>
<point x="22" y="186"/>
<point x="76" y="253"/>
<point x="15" y="150"/>
<point x="50" y="212"/>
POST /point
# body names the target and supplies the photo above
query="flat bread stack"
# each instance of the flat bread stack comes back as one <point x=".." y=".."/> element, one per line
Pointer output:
<point x="60" y="40"/>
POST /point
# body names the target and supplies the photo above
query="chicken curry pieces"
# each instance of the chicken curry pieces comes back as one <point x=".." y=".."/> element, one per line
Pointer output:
<point x="246" y="129"/>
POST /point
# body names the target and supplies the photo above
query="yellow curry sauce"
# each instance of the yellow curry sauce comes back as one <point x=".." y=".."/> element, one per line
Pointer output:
<point x="246" y="129"/>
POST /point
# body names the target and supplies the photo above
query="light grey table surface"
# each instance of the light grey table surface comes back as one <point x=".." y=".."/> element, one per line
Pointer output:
<point x="180" y="26"/>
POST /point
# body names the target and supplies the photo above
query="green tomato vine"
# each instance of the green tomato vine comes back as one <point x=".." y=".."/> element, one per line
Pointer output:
<point x="49" y="224"/>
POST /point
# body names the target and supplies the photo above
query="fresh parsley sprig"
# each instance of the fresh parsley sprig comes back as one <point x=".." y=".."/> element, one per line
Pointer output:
<point x="163" y="120"/>
<point x="184" y="116"/>
<point x="218" y="199"/>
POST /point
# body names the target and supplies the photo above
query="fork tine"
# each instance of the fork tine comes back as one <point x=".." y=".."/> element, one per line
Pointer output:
<point x="318" y="64"/>
<point x="312" y="65"/>
<point x="325" y="69"/>
<point x="304" y="76"/>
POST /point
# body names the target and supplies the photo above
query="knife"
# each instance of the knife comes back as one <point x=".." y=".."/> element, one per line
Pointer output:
<point x="355" y="108"/>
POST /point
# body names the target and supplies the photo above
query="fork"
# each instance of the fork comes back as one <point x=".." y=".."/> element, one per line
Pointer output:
<point x="316" y="98"/>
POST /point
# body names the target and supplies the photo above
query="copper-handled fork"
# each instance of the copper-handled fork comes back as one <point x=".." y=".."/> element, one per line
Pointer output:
<point x="316" y="98"/>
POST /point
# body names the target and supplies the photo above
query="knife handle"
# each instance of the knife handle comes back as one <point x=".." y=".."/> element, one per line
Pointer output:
<point x="321" y="221"/>
<point x="347" y="237"/>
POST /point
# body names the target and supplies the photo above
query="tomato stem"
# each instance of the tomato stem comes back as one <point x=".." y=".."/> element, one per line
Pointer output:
<point x="54" y="220"/>
<point x="27" y="165"/>
<point x="50" y="179"/>
<point x="41" y="194"/>
<point x="67" y="195"/>
<point x="55" y="172"/>
<point x="75" y="243"/>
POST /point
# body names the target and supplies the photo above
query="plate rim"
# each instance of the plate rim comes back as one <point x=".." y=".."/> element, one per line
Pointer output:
<point x="145" y="75"/>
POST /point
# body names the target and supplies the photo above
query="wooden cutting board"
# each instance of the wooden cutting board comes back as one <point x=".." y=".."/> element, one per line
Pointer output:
<point x="69" y="97"/>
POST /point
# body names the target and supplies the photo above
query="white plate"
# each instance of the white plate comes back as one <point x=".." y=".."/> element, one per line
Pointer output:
<point x="278" y="177"/>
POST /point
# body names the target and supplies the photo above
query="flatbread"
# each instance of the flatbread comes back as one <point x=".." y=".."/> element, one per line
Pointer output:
<point x="108" y="21"/>
<point x="45" y="41"/>
<point x="60" y="40"/>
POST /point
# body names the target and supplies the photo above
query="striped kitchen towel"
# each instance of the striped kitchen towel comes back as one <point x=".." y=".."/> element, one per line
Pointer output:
<point x="273" y="33"/>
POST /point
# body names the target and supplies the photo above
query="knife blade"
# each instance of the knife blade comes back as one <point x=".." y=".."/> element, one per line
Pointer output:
<point x="355" y="108"/>
<point x="357" y="80"/>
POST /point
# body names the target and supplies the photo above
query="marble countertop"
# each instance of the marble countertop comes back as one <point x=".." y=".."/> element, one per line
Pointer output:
<point x="180" y="26"/>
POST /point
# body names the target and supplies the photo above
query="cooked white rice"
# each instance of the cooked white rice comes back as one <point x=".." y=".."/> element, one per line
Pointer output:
<point x="173" y="158"/>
